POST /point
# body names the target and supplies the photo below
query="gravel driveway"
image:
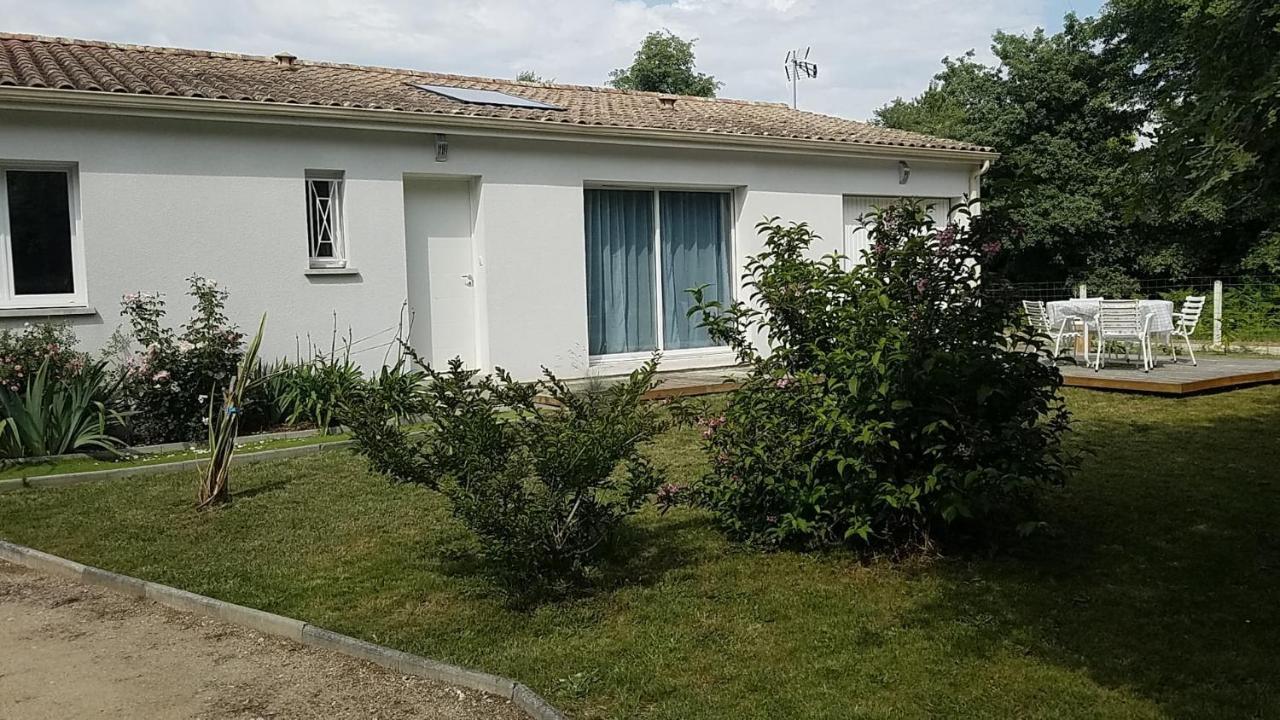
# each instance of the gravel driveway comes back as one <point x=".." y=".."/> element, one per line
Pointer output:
<point x="73" y="651"/>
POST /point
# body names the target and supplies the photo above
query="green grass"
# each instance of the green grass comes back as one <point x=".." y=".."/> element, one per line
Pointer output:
<point x="59" y="465"/>
<point x="1155" y="594"/>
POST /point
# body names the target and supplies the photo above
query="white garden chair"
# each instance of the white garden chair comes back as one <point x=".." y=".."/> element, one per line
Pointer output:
<point x="1067" y="329"/>
<point x="1185" y="322"/>
<point x="1122" y="321"/>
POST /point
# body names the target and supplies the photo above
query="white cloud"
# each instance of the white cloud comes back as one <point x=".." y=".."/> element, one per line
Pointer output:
<point x="869" y="51"/>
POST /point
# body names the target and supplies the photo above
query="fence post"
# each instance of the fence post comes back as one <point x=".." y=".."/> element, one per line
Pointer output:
<point x="1217" y="313"/>
<point x="1084" y="291"/>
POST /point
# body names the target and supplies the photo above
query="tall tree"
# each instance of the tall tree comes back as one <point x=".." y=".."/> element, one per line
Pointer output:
<point x="1209" y="73"/>
<point x="665" y="63"/>
<point x="1055" y="107"/>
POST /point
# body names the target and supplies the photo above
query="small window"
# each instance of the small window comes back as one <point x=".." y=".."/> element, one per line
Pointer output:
<point x="324" y="219"/>
<point x="37" y="238"/>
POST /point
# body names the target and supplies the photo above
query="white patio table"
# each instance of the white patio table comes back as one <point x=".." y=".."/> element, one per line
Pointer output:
<point x="1160" y="312"/>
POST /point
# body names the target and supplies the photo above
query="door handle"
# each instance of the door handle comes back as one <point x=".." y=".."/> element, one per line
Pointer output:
<point x="468" y="279"/>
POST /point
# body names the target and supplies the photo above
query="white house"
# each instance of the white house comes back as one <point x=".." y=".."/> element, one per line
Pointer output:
<point x="524" y="224"/>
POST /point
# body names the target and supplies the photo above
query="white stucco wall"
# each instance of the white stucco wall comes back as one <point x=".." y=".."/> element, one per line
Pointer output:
<point x="162" y="199"/>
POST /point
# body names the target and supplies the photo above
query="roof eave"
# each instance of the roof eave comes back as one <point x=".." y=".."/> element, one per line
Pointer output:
<point x="248" y="111"/>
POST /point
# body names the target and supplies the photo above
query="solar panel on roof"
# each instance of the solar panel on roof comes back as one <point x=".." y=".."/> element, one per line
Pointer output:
<point x="485" y="97"/>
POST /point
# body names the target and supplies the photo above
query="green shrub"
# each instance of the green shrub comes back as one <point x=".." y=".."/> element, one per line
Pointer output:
<point x="895" y="399"/>
<point x="23" y="351"/>
<point x="401" y="389"/>
<point x="1112" y="283"/>
<point x="266" y="406"/>
<point x="543" y="488"/>
<point x="54" y="416"/>
<point x="316" y="391"/>
<point x="169" y="381"/>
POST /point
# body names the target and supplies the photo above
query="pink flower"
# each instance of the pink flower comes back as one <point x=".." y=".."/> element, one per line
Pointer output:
<point x="161" y="376"/>
<point x="712" y="424"/>
<point x="783" y="383"/>
<point x="922" y="285"/>
<point x="669" y="496"/>
<point x="991" y="248"/>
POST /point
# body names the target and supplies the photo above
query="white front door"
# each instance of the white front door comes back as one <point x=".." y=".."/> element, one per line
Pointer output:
<point x="441" y="272"/>
<point x="855" y="206"/>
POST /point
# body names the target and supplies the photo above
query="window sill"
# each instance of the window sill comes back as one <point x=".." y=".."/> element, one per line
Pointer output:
<point x="331" y="271"/>
<point x="41" y="312"/>
<point x="688" y="359"/>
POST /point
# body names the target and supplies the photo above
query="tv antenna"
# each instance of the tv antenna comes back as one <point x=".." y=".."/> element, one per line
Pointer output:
<point x="798" y="66"/>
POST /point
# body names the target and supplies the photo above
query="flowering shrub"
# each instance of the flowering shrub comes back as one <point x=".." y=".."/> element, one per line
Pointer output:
<point x="169" y="381"/>
<point x="543" y="489"/>
<point x="896" y="400"/>
<point x="23" y="351"/>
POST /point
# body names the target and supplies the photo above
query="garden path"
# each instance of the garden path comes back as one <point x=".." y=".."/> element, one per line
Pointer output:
<point x="69" y="650"/>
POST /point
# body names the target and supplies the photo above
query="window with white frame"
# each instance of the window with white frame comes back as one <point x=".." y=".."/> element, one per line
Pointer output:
<point x="39" y="248"/>
<point x="325" y="241"/>
<point x="645" y="249"/>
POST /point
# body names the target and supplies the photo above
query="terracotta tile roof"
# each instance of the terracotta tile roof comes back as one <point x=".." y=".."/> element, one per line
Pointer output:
<point x="65" y="64"/>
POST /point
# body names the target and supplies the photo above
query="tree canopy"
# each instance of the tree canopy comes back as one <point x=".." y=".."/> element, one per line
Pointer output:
<point x="531" y="76"/>
<point x="665" y="63"/>
<point x="1145" y="141"/>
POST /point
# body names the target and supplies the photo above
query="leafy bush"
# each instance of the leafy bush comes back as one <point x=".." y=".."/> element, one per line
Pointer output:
<point x="169" y="381"/>
<point x="54" y="416"/>
<point x="23" y="351"/>
<point x="894" y="399"/>
<point x="266" y="406"/>
<point x="315" y="392"/>
<point x="401" y="389"/>
<point x="544" y="489"/>
<point x="1113" y="283"/>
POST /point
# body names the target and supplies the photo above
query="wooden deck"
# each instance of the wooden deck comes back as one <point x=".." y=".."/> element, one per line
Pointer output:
<point x="1215" y="372"/>
<point x="676" y="383"/>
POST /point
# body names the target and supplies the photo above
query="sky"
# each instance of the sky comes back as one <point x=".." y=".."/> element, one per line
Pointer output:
<point x="868" y="51"/>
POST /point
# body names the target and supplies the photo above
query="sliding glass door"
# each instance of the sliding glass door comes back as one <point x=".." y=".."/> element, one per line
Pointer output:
<point x="645" y="250"/>
<point x="621" y="309"/>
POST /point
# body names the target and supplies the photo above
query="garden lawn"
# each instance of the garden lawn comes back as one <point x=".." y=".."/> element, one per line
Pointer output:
<point x="1154" y="593"/>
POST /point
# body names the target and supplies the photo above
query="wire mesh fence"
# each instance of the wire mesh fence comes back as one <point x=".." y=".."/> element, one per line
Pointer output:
<point x="1241" y="310"/>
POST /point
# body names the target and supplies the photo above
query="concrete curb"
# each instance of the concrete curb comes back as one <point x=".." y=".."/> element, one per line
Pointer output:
<point x="241" y="440"/>
<point x="267" y="623"/>
<point x="64" y="479"/>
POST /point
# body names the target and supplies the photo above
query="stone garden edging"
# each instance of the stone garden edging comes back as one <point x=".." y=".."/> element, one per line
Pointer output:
<point x="298" y="631"/>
